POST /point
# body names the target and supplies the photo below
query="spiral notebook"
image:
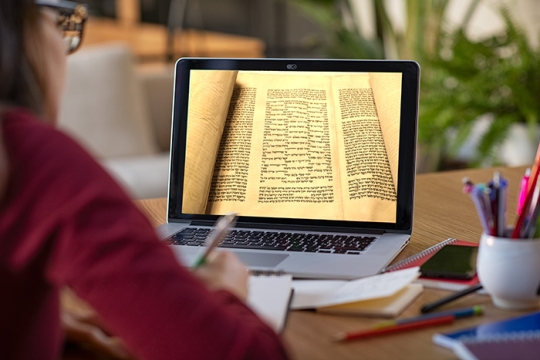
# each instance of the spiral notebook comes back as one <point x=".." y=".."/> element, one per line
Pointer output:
<point x="522" y="346"/>
<point x="437" y="283"/>
<point x="505" y="333"/>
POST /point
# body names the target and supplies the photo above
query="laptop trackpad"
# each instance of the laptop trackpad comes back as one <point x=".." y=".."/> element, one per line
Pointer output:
<point x="260" y="260"/>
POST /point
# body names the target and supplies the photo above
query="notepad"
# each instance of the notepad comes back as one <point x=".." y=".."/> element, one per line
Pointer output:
<point x="385" y="295"/>
<point x="522" y="346"/>
<point x="436" y="283"/>
<point x="270" y="297"/>
<point x="514" y="327"/>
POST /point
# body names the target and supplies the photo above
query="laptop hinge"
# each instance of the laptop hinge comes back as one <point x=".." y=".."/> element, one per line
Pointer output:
<point x="202" y="222"/>
<point x="288" y="227"/>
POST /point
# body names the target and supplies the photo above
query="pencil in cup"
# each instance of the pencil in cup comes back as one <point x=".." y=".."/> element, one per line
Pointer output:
<point x="490" y="203"/>
<point x="498" y="187"/>
<point x="524" y="188"/>
<point x="476" y="193"/>
<point x="532" y="181"/>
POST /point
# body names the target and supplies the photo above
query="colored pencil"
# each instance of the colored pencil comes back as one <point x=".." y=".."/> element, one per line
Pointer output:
<point x="219" y="233"/>
<point x="533" y="178"/>
<point x="396" y="328"/>
<point x="393" y="326"/>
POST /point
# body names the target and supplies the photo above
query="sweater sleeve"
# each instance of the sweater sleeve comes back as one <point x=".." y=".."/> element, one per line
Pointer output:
<point x="105" y="249"/>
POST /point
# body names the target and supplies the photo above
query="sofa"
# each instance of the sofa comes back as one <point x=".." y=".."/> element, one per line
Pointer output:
<point x="120" y="112"/>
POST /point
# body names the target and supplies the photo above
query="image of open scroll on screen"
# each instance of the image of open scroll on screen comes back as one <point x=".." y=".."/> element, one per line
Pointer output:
<point x="303" y="145"/>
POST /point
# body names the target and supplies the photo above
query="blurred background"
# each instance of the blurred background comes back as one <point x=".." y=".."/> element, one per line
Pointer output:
<point x="480" y="59"/>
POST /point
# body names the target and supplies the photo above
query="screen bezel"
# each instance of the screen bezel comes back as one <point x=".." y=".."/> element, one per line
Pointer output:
<point x="407" y="148"/>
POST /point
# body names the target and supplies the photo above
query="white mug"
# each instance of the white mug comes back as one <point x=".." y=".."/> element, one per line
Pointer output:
<point x="509" y="270"/>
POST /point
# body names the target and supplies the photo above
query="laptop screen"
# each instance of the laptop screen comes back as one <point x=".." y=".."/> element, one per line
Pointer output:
<point x="294" y="144"/>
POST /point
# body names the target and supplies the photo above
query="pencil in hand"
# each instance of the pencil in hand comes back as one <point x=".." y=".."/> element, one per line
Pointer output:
<point x="222" y="227"/>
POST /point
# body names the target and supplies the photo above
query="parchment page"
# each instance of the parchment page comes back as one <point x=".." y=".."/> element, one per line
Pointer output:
<point x="368" y="190"/>
<point x="293" y="170"/>
<point x="387" y="93"/>
<point x="209" y="97"/>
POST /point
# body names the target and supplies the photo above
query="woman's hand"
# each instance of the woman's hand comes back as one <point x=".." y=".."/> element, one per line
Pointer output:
<point x="223" y="270"/>
<point x="82" y="326"/>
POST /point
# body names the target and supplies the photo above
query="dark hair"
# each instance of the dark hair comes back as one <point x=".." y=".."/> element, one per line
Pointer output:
<point x="20" y="83"/>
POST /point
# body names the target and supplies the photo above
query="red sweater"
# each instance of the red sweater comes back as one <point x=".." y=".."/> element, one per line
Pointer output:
<point x="64" y="221"/>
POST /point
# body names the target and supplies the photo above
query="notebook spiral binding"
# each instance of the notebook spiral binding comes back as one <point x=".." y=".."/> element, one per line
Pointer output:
<point x="405" y="262"/>
<point x="518" y="336"/>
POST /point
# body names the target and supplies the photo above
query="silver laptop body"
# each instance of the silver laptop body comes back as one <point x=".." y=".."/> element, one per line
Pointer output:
<point x="317" y="155"/>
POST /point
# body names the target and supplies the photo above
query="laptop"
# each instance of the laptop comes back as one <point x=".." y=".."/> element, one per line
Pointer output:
<point x="317" y="158"/>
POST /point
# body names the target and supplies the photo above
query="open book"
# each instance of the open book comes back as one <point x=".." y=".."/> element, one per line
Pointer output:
<point x="384" y="295"/>
<point x="325" y="145"/>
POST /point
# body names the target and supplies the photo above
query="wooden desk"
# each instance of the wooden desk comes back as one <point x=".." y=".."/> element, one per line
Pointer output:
<point x="441" y="211"/>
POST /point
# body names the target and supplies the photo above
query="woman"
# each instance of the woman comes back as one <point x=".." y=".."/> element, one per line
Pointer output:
<point x="63" y="221"/>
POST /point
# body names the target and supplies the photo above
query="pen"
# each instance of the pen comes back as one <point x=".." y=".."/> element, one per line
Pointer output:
<point x="467" y="185"/>
<point x="445" y="300"/>
<point x="393" y="326"/>
<point x="533" y="178"/>
<point x="477" y="195"/>
<point x="498" y="203"/>
<point x="221" y="230"/>
<point x="488" y="208"/>
<point x="501" y="201"/>
<point x="523" y="190"/>
<point x="529" y="225"/>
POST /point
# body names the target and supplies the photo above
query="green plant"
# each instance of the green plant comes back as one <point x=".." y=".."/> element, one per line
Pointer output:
<point x="345" y="40"/>
<point x="343" y="37"/>
<point x="499" y="76"/>
<point x="462" y="79"/>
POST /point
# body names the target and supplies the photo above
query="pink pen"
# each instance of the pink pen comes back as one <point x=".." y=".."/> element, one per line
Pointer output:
<point x="468" y="185"/>
<point x="523" y="191"/>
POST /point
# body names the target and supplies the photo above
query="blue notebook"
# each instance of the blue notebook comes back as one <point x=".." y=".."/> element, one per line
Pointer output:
<point x="526" y="324"/>
<point x="520" y="345"/>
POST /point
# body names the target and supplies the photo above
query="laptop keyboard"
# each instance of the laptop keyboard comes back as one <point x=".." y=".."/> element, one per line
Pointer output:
<point x="284" y="241"/>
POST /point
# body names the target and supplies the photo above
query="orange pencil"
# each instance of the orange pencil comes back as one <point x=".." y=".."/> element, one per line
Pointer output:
<point x="397" y="325"/>
<point x="396" y="328"/>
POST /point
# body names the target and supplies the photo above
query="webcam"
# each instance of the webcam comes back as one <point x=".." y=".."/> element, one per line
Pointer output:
<point x="291" y="66"/>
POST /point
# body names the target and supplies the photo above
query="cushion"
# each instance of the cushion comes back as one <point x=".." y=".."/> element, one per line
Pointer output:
<point x="157" y="81"/>
<point x="143" y="177"/>
<point x="104" y="106"/>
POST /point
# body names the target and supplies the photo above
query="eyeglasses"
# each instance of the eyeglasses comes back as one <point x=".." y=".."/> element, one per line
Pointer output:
<point x="71" y="18"/>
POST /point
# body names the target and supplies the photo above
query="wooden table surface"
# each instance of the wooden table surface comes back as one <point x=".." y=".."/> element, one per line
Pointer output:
<point x="441" y="210"/>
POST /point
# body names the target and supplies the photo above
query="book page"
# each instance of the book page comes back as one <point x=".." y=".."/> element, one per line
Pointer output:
<point x="336" y="292"/>
<point x="369" y="192"/>
<point x="308" y="293"/>
<point x="387" y="92"/>
<point x="209" y="97"/>
<point x="389" y="306"/>
<point x="280" y="124"/>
